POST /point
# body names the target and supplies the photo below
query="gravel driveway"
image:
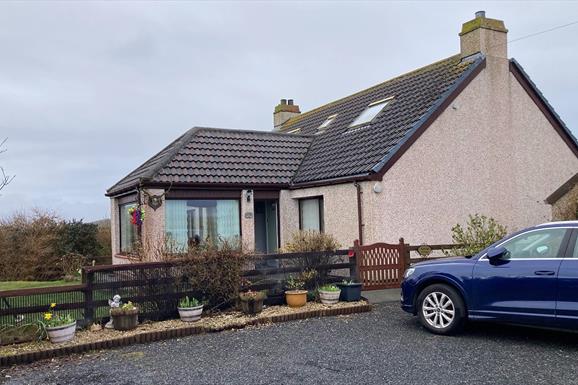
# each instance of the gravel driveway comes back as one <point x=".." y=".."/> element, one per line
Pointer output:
<point x="385" y="346"/>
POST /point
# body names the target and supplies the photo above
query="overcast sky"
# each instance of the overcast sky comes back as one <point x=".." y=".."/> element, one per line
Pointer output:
<point x="88" y="91"/>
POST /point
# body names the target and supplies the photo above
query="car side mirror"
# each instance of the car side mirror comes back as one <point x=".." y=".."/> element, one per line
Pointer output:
<point x="496" y="253"/>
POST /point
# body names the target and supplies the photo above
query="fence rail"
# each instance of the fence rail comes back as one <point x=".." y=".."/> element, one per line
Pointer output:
<point x="156" y="287"/>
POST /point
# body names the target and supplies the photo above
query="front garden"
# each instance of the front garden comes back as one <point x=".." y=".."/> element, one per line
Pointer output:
<point x="213" y="287"/>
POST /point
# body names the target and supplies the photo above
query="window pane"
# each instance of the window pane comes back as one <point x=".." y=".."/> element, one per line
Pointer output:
<point x="128" y="231"/>
<point x="369" y="113"/>
<point x="192" y="221"/>
<point x="311" y="214"/>
<point x="536" y="244"/>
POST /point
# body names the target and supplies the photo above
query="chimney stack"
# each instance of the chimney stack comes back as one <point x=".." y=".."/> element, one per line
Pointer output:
<point x="284" y="111"/>
<point x="488" y="36"/>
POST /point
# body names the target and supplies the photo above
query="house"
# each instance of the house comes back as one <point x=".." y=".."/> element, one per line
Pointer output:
<point x="409" y="157"/>
<point x="564" y="200"/>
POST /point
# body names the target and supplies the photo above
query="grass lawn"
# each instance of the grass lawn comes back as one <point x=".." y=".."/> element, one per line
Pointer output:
<point x="12" y="285"/>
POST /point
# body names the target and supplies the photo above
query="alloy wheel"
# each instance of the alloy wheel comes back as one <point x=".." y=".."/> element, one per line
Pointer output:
<point x="438" y="310"/>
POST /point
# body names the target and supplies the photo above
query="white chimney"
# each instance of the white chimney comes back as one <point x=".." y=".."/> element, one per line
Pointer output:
<point x="283" y="112"/>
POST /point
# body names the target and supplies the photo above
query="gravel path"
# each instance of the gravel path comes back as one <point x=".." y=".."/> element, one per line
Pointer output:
<point x="385" y="346"/>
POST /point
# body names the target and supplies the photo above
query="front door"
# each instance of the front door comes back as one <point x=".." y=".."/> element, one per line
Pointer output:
<point x="521" y="287"/>
<point x="266" y="226"/>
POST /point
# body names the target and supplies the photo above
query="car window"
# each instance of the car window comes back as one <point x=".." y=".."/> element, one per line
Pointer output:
<point x="535" y="244"/>
<point x="575" y="252"/>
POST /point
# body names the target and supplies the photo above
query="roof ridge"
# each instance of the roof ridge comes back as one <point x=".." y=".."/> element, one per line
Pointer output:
<point x="345" y="98"/>
<point x="241" y="130"/>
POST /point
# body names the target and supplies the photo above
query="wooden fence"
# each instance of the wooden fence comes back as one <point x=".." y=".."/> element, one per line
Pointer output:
<point x="156" y="287"/>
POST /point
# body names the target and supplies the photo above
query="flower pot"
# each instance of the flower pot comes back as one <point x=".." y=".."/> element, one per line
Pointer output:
<point x="329" y="297"/>
<point x="125" y="319"/>
<point x="296" y="298"/>
<point x="190" y="314"/>
<point x="251" y="306"/>
<point x="62" y="333"/>
<point x="350" y="292"/>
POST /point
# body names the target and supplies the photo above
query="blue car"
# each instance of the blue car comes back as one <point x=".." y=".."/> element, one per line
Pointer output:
<point x="529" y="277"/>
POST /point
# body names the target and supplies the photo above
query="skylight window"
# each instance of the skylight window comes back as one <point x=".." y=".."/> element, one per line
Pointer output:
<point x="326" y="123"/>
<point x="370" y="112"/>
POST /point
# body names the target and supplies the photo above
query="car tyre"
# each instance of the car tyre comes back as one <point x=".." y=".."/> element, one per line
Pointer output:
<point x="441" y="309"/>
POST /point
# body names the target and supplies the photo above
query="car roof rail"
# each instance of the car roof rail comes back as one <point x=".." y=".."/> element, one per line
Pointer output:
<point x="558" y="223"/>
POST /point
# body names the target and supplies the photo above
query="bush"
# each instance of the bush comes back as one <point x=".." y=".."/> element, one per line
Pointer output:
<point x="214" y="270"/>
<point x="312" y="241"/>
<point x="41" y="246"/>
<point x="479" y="232"/>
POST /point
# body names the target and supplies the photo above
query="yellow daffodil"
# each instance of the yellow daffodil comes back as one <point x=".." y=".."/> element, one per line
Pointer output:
<point x="47" y="316"/>
<point x="52" y="305"/>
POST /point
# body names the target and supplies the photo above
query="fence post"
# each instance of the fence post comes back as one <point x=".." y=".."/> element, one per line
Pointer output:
<point x="87" y="280"/>
<point x="404" y="253"/>
<point x="354" y="271"/>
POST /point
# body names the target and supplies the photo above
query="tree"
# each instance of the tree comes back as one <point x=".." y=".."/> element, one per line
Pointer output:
<point x="4" y="179"/>
<point x="480" y="232"/>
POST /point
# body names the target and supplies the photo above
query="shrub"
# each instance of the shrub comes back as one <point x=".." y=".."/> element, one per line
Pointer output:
<point x="479" y="232"/>
<point x="312" y="241"/>
<point x="41" y="246"/>
<point x="329" y="288"/>
<point x="189" y="302"/>
<point x="214" y="270"/>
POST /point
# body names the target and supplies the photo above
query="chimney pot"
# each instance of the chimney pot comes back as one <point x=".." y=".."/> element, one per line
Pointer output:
<point x="290" y="102"/>
<point x="480" y="14"/>
<point x="283" y="102"/>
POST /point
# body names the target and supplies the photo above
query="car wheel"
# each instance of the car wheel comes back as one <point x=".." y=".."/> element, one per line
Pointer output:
<point x="441" y="309"/>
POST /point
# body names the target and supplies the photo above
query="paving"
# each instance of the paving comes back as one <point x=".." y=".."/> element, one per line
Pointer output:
<point x="386" y="346"/>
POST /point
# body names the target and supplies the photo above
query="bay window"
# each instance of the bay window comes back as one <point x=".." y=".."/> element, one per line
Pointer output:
<point x="311" y="214"/>
<point x="190" y="222"/>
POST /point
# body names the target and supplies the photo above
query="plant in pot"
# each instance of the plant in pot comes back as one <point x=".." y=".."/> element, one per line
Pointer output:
<point x="59" y="327"/>
<point x="190" y="309"/>
<point x="329" y="294"/>
<point x="124" y="317"/>
<point x="252" y="301"/>
<point x="350" y="291"/>
<point x="295" y="295"/>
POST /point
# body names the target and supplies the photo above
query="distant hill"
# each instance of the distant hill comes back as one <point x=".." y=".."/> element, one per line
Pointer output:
<point x="102" y="222"/>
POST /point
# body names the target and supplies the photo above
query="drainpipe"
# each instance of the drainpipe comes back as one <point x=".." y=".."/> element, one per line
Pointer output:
<point x="359" y="212"/>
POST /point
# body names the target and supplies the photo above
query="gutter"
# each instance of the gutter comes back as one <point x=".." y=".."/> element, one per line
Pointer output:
<point x="359" y="212"/>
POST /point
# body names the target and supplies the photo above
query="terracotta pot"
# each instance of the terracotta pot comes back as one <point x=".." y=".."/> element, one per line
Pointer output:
<point x="252" y="307"/>
<point x="125" y="320"/>
<point x="296" y="298"/>
<point x="329" y="297"/>
<point x="62" y="333"/>
<point x="190" y="314"/>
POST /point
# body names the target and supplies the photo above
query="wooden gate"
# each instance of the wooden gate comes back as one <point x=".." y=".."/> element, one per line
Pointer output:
<point x="381" y="265"/>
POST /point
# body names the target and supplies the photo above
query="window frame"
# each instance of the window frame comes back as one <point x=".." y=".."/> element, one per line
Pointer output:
<point x="326" y="123"/>
<point x="204" y="197"/>
<point x="385" y="102"/>
<point x="562" y="253"/>
<point x="321" y="203"/>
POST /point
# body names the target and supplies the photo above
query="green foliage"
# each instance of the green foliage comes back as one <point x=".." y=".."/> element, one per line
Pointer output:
<point x="124" y="309"/>
<point x="78" y="237"/>
<point x="189" y="302"/>
<point x="329" y="288"/>
<point x="479" y="232"/>
<point x="52" y="320"/>
<point x="294" y="284"/>
<point x="42" y="247"/>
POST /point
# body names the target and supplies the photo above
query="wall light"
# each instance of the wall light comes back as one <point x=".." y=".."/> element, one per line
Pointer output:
<point x="249" y="195"/>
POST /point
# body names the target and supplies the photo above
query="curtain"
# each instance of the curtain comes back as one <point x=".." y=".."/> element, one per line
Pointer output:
<point x="228" y="222"/>
<point x="310" y="214"/>
<point x="127" y="229"/>
<point x="176" y="225"/>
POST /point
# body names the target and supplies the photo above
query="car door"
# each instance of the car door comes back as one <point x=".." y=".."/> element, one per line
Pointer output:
<point x="521" y="286"/>
<point x="567" y="298"/>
